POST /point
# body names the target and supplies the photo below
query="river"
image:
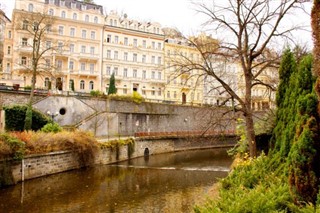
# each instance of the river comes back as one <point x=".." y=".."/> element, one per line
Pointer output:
<point x="172" y="182"/>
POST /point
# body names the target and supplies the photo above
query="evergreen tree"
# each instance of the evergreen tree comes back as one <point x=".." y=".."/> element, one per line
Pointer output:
<point x="283" y="132"/>
<point x="296" y="130"/>
<point x="304" y="154"/>
<point x="112" y="85"/>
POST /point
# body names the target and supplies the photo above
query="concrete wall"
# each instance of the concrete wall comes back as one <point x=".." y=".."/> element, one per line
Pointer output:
<point x="41" y="165"/>
<point x="113" y="118"/>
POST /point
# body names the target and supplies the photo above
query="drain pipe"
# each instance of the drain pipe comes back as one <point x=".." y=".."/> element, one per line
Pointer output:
<point x="22" y="170"/>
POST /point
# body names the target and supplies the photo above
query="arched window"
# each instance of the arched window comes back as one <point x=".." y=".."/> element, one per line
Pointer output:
<point x="30" y="8"/>
<point x="82" y="85"/>
<point x="63" y="14"/>
<point x="91" y="85"/>
<point x="75" y="16"/>
<point x="86" y="18"/>
<point x="25" y="25"/>
<point x="71" y="84"/>
<point x="46" y="83"/>
<point x="51" y="12"/>
<point x="115" y="23"/>
<point x="111" y="22"/>
<point x="95" y="19"/>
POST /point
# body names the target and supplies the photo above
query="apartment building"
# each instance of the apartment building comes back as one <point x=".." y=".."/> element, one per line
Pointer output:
<point x="181" y="86"/>
<point x="82" y="48"/>
<point x="71" y="44"/>
<point x="230" y="71"/>
<point x="133" y="51"/>
<point x="4" y="20"/>
<point x="227" y="70"/>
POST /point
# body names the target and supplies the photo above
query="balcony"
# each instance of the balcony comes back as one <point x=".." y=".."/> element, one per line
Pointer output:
<point x="87" y="73"/>
<point x="88" y="57"/>
<point x="23" y="49"/>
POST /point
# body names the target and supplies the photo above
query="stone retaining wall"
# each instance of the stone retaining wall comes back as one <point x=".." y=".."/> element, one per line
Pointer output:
<point x="40" y="165"/>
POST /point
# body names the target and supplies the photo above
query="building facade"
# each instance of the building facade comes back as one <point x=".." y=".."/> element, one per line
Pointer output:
<point x="182" y="86"/>
<point x="4" y="20"/>
<point x="70" y="44"/>
<point x="133" y="51"/>
<point x="81" y="47"/>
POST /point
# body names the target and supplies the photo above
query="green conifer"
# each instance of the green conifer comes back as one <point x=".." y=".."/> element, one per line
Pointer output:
<point x="112" y="85"/>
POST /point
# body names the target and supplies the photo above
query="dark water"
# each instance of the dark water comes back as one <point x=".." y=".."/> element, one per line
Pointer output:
<point x="162" y="183"/>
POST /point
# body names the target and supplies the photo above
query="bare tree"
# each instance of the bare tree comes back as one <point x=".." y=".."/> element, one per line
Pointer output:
<point x="37" y="48"/>
<point x="249" y="28"/>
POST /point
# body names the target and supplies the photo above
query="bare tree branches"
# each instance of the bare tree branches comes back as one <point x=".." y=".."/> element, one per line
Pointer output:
<point x="248" y="28"/>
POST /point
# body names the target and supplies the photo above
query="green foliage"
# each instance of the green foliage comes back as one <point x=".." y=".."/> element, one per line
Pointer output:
<point x="15" y="117"/>
<point x="112" y="85"/>
<point x="95" y="93"/>
<point x="16" y="147"/>
<point x="137" y="98"/>
<point x="293" y="98"/>
<point x="51" y="127"/>
<point x="297" y="129"/>
<point x="251" y="187"/>
<point x="27" y="87"/>
<point x="289" y="175"/>
<point x="242" y="145"/>
<point x="28" y="118"/>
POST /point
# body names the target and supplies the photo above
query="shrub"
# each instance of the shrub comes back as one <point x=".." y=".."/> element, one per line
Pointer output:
<point x="11" y="147"/>
<point x="95" y="93"/>
<point x="51" y="127"/>
<point x="15" y="117"/>
<point x="137" y="98"/>
<point x="27" y="87"/>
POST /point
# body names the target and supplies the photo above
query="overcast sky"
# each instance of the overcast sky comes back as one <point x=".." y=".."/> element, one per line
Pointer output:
<point x="178" y="14"/>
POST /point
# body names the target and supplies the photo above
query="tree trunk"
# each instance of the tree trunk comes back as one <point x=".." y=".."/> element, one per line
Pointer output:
<point x="251" y="135"/>
<point x="249" y="115"/>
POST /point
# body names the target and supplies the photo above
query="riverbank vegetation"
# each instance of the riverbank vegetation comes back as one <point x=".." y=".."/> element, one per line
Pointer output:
<point x="287" y="179"/>
<point x="19" y="144"/>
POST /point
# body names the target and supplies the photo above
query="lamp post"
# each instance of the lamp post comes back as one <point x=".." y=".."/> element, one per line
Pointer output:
<point x="52" y="115"/>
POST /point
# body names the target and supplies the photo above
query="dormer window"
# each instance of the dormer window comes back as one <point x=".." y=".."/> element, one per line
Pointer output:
<point x="51" y="1"/>
<point x="62" y="3"/>
<point x="51" y="12"/>
<point x="30" y="8"/>
<point x="86" y="19"/>
<point x="83" y="7"/>
<point x="73" y="5"/>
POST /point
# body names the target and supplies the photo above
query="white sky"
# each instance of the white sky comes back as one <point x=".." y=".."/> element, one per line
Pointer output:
<point x="178" y="14"/>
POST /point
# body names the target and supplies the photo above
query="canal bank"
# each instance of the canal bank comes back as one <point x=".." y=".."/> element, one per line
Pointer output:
<point x="35" y="166"/>
<point x="171" y="182"/>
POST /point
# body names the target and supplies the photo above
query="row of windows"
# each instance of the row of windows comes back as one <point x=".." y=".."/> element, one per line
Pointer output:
<point x="82" y="84"/>
<point x="134" y="57"/>
<point x="134" y="42"/>
<point x="133" y="25"/>
<point x="135" y="73"/>
<point x="63" y="14"/>
<point x="83" y="66"/>
<point x="72" y="47"/>
<point x="61" y="30"/>
<point x="72" y="33"/>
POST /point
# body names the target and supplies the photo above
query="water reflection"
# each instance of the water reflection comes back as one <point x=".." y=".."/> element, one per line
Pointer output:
<point x="163" y="183"/>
